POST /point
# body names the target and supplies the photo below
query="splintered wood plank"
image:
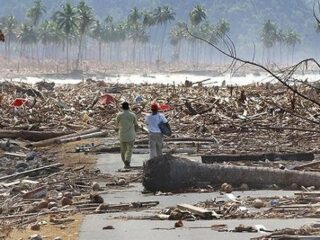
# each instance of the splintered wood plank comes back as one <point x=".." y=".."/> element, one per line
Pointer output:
<point x="202" y="212"/>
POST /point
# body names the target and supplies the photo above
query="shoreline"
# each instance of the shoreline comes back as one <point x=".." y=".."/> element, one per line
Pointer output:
<point x="56" y="70"/>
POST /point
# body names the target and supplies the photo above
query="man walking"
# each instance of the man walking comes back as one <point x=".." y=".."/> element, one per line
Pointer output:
<point x="155" y="135"/>
<point x="126" y="122"/>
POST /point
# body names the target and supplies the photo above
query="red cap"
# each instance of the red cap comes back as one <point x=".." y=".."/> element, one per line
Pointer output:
<point x="154" y="107"/>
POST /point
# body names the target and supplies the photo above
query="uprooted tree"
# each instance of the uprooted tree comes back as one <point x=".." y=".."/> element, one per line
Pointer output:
<point x="169" y="173"/>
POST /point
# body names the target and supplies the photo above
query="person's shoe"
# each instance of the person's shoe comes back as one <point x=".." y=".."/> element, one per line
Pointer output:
<point x="126" y="165"/>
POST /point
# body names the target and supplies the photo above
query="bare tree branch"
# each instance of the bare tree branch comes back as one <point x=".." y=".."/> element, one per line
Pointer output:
<point x="314" y="12"/>
<point x="281" y="80"/>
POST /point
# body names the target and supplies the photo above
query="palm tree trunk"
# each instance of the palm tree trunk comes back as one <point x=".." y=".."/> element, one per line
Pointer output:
<point x="100" y="50"/>
<point x="79" y="52"/>
<point x="169" y="173"/>
<point x="134" y="52"/>
<point x="9" y="49"/>
<point x="67" y="54"/>
<point x="162" y="41"/>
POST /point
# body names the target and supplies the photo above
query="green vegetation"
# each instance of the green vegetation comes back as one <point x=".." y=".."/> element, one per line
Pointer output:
<point x="151" y="31"/>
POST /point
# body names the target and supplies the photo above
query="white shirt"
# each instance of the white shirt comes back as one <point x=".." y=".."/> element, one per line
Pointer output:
<point x="153" y="121"/>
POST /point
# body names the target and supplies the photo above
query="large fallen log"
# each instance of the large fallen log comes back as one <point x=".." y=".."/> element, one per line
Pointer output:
<point x="169" y="173"/>
<point x="30" y="135"/>
<point x="303" y="156"/>
<point x="181" y="139"/>
<point x="26" y="173"/>
<point x="58" y="139"/>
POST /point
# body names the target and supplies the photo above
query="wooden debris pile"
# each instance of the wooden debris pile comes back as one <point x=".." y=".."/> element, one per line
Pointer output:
<point x="302" y="205"/>
<point x="252" y="118"/>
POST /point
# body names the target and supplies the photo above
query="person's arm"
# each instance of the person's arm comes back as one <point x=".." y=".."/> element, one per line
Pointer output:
<point x="135" y="122"/>
<point x="117" y="123"/>
<point x="163" y="118"/>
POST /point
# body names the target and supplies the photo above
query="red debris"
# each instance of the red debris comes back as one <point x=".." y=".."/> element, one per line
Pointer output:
<point x="18" y="102"/>
<point x="107" y="99"/>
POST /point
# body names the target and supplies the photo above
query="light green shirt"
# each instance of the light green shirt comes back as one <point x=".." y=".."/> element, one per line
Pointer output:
<point x="126" y="121"/>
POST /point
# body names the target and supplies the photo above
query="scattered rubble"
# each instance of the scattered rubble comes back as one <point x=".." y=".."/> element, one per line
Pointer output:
<point x="252" y="130"/>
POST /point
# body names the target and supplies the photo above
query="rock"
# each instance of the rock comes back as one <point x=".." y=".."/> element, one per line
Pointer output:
<point x="294" y="186"/>
<point x="178" y="224"/>
<point x="258" y="203"/>
<point x="52" y="205"/>
<point x="66" y="201"/>
<point x="63" y="226"/>
<point x="35" y="237"/>
<point x="57" y="238"/>
<point x="54" y="209"/>
<point x="109" y="227"/>
<point x="95" y="186"/>
<point x="103" y="207"/>
<point x="51" y="199"/>
<point x="225" y="187"/>
<point x="35" y="227"/>
<point x="96" y="198"/>
<point x="244" y="187"/>
<point x="22" y="166"/>
<point x="43" y="204"/>
<point x="311" y="188"/>
<point x="121" y="182"/>
<point x="68" y="195"/>
<point x="31" y="156"/>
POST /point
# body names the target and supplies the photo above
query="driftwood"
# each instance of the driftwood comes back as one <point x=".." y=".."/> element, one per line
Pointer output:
<point x="203" y="213"/>
<point x="15" y="175"/>
<point x="30" y="135"/>
<point x="306" y="165"/>
<point x="55" y="140"/>
<point x="84" y="136"/>
<point x="257" y="157"/>
<point x="181" y="139"/>
<point x="169" y="173"/>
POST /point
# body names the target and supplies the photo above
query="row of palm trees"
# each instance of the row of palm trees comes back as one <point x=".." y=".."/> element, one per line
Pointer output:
<point x="273" y="36"/>
<point x="74" y="32"/>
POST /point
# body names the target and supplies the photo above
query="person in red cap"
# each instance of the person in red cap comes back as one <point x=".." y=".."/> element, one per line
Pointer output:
<point x="155" y="136"/>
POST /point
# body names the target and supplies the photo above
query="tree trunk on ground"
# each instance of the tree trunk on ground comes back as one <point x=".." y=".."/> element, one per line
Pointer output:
<point x="169" y="173"/>
<point x="30" y="135"/>
<point x="257" y="157"/>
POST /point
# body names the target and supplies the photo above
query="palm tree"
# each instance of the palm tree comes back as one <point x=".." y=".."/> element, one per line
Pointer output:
<point x="292" y="39"/>
<point x="67" y="23"/>
<point x="149" y="21"/>
<point x="27" y="36"/>
<point x="35" y="12"/>
<point x="49" y="34"/>
<point x="9" y="25"/>
<point x="280" y="38"/>
<point x="162" y="16"/>
<point x="136" y="29"/>
<point x="177" y="34"/>
<point x="86" y="19"/>
<point x="97" y="34"/>
<point x="268" y="36"/>
<point x="197" y="15"/>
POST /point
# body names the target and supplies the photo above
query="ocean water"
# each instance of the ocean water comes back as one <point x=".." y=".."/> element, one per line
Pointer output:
<point x="176" y="79"/>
